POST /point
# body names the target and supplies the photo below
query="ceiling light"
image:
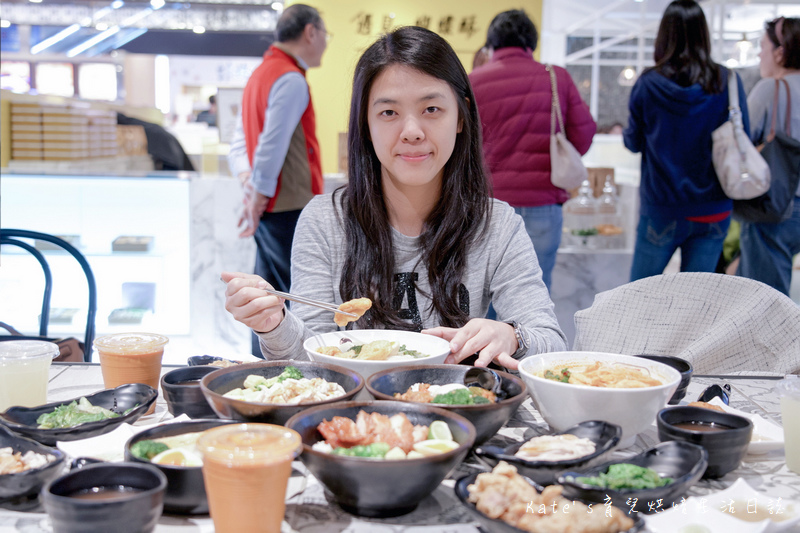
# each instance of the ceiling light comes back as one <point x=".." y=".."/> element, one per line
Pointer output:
<point x="627" y="77"/>
<point x="277" y="6"/>
<point x="157" y="4"/>
<point x="5" y="23"/>
<point x="85" y="45"/>
<point x="199" y="29"/>
<point x="50" y="41"/>
<point x="35" y="1"/>
<point x="101" y="26"/>
<point x="116" y="4"/>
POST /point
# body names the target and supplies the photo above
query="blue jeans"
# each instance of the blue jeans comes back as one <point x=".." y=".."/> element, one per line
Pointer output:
<point x="768" y="249"/>
<point x="543" y="224"/>
<point x="274" y="237"/>
<point x="658" y="238"/>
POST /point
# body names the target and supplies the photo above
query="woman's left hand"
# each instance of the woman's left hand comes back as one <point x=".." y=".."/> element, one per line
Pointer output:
<point x="494" y="340"/>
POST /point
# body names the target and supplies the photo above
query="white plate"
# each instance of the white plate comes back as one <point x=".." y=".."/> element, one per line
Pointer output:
<point x="704" y="514"/>
<point x="767" y="436"/>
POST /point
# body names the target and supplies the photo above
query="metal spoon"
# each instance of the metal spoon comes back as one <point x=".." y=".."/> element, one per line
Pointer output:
<point x="484" y="378"/>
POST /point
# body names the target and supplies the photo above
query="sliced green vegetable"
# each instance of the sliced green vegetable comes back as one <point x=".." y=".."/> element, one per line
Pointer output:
<point x="73" y="414"/>
<point x="626" y="476"/>
<point x="147" y="449"/>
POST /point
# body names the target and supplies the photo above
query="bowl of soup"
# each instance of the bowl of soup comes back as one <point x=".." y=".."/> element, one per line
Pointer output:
<point x="367" y="351"/>
<point x="571" y="387"/>
<point x="724" y="436"/>
<point x="119" y="497"/>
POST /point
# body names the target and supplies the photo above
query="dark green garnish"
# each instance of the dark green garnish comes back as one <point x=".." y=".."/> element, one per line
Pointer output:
<point x="626" y="476"/>
<point x="147" y="449"/>
<point x="562" y="376"/>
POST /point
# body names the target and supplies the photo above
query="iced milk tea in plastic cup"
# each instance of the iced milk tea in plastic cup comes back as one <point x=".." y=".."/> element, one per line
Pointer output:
<point x="131" y="358"/>
<point x="24" y="372"/>
<point x="246" y="469"/>
<point x="789" y="391"/>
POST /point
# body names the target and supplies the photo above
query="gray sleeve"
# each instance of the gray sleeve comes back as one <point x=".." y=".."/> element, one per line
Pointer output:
<point x="517" y="290"/>
<point x="759" y="105"/>
<point x="315" y="262"/>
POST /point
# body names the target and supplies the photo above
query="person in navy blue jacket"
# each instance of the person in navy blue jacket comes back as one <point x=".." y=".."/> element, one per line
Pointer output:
<point x="674" y="108"/>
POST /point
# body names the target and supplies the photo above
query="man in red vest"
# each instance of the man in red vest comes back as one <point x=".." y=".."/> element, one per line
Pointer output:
<point x="275" y="151"/>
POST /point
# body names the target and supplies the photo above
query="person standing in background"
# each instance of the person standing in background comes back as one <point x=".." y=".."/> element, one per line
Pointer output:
<point x="674" y="107"/>
<point x="275" y="152"/>
<point x="513" y="94"/>
<point x="768" y="249"/>
<point x="209" y="116"/>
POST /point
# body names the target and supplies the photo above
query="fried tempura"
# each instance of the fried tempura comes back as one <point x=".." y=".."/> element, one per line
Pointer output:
<point x="706" y="405"/>
<point x="358" y="307"/>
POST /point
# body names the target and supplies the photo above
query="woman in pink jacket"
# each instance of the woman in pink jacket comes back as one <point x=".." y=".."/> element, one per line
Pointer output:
<point x="513" y="95"/>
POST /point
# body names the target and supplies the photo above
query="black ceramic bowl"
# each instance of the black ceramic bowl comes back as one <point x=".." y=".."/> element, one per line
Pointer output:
<point x="186" y="491"/>
<point x="181" y="390"/>
<point x="380" y="488"/>
<point x="725" y="448"/>
<point x="199" y="360"/>
<point x="216" y="384"/>
<point x="681" y="365"/>
<point x="495" y="525"/>
<point x="682" y="461"/>
<point x="29" y="481"/>
<point x="487" y="418"/>
<point x="134" y="512"/>
<point x="604" y="435"/>
<point x="135" y="396"/>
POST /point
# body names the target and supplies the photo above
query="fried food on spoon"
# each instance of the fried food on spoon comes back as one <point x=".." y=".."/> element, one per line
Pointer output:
<point x="358" y="307"/>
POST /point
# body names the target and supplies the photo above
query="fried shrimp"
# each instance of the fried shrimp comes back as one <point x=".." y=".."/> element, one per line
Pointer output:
<point x="358" y="307"/>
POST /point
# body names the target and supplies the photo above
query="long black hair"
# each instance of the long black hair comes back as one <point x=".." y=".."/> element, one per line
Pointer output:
<point x="683" y="48"/>
<point x="459" y="217"/>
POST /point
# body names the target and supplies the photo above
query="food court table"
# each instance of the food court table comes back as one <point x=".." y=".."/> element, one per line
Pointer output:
<point x="308" y="509"/>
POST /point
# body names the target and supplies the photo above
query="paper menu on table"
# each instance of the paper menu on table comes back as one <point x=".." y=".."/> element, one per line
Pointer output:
<point x="110" y="446"/>
<point x="767" y="436"/>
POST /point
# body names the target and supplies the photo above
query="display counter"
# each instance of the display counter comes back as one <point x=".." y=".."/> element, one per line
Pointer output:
<point x="156" y="243"/>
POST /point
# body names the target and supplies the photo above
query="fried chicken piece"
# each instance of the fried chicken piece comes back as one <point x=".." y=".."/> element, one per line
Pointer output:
<point x="342" y="432"/>
<point x="422" y="395"/>
<point x="706" y="405"/>
<point x="359" y="306"/>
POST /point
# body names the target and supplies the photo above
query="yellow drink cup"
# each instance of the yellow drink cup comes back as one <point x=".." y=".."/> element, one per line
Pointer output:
<point x="24" y="372"/>
<point x="246" y="468"/>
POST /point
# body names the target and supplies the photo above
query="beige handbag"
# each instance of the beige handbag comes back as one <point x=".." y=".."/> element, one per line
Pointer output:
<point x="566" y="168"/>
<point x="741" y="170"/>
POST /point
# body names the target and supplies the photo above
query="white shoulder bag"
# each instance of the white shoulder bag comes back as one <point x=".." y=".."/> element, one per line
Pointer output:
<point x="741" y="170"/>
<point x="566" y="168"/>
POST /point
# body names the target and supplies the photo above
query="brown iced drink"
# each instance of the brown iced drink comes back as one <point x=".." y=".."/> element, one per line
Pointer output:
<point x="246" y="468"/>
<point x="131" y="358"/>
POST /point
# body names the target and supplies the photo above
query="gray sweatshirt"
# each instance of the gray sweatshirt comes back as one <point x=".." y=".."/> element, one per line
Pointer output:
<point x="501" y="268"/>
<point x="759" y="105"/>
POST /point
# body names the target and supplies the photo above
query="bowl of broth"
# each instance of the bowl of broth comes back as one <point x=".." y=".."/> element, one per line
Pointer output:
<point x="119" y="497"/>
<point x="724" y="436"/>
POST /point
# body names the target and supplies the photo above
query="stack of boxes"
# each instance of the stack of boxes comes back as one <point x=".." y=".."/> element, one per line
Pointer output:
<point x="102" y="133"/>
<point x="49" y="132"/>
<point x="26" y="132"/>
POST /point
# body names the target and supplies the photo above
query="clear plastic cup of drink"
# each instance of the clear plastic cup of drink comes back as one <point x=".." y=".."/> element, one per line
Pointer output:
<point x="789" y="391"/>
<point x="24" y="372"/>
<point x="246" y="469"/>
<point x="131" y="358"/>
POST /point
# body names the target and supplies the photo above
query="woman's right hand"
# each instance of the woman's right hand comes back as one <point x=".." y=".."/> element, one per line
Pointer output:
<point x="246" y="300"/>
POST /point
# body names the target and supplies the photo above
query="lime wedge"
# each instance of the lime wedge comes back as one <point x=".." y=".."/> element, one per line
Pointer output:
<point x="439" y="430"/>
<point x="435" y="447"/>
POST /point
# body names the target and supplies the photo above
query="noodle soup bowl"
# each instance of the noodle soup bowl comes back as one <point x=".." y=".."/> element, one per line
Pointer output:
<point x="565" y="404"/>
<point x="435" y="349"/>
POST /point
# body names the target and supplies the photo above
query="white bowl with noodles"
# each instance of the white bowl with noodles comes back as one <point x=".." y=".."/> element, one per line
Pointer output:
<point x="434" y="349"/>
<point x="563" y="405"/>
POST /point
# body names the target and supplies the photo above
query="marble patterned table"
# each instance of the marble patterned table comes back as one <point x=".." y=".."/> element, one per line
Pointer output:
<point x="308" y="509"/>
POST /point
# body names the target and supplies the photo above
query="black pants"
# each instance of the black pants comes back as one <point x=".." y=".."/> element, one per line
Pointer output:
<point x="274" y="237"/>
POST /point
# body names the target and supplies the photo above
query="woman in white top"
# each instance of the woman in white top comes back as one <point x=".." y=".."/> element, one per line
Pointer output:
<point x="768" y="249"/>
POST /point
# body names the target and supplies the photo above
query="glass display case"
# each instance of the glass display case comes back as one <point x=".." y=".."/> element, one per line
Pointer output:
<point x="134" y="232"/>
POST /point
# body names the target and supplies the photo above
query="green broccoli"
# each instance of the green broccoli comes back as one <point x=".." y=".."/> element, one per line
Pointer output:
<point x="456" y="397"/>
<point x="147" y="449"/>
<point x="289" y="372"/>
<point x="376" y="450"/>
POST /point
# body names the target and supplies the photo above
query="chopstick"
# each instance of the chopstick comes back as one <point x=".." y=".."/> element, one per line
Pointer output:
<point x="308" y="301"/>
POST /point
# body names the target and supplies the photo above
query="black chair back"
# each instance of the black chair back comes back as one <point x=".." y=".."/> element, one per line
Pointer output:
<point x="11" y="237"/>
